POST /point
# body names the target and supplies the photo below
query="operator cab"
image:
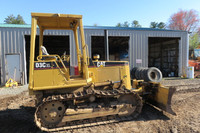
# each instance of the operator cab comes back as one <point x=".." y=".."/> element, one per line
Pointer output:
<point x="54" y="70"/>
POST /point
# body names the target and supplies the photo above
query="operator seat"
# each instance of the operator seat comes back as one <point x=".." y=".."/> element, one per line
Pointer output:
<point x="44" y="51"/>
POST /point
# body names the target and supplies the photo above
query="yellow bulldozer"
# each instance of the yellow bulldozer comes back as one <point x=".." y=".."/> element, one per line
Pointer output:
<point x="102" y="93"/>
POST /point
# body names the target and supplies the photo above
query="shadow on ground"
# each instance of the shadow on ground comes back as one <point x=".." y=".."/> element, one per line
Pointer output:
<point x="18" y="120"/>
<point x="150" y="113"/>
<point x="22" y="120"/>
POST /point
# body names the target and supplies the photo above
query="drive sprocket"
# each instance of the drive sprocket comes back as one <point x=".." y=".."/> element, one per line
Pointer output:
<point x="51" y="113"/>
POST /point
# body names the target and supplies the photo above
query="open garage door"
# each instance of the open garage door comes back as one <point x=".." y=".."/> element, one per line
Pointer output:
<point x="118" y="47"/>
<point x="164" y="54"/>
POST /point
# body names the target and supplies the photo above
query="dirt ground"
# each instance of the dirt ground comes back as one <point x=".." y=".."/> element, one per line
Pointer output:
<point x="17" y="112"/>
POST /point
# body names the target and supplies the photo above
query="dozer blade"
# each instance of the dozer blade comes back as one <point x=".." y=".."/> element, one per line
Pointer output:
<point x="162" y="98"/>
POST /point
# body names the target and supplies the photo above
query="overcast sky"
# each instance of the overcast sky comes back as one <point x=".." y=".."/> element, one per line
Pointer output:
<point x="100" y="12"/>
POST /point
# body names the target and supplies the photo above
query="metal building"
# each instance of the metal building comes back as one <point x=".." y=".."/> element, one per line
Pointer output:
<point x="166" y="49"/>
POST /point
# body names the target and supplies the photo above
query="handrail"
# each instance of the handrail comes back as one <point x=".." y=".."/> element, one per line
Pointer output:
<point x="61" y="70"/>
<point x="39" y="57"/>
<point x="56" y="57"/>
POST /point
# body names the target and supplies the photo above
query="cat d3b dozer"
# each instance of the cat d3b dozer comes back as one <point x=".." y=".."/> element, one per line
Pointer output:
<point x="102" y="93"/>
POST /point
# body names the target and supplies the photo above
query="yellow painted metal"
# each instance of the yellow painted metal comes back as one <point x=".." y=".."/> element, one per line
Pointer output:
<point x="159" y="95"/>
<point x="162" y="95"/>
<point x="71" y="84"/>
<point x="83" y="45"/>
<point x="54" y="79"/>
<point x="57" y="78"/>
<point x="112" y="74"/>
<point x="96" y="57"/>
<point x="162" y="98"/>
<point x="32" y="51"/>
<point x="43" y="78"/>
<point x="56" y="21"/>
<point x="11" y="83"/>
<point x="135" y="83"/>
<point x="54" y="58"/>
<point x="77" y="49"/>
<point x="41" y="40"/>
<point x="125" y="76"/>
<point x="72" y="115"/>
<point x="56" y="15"/>
<point x="103" y="74"/>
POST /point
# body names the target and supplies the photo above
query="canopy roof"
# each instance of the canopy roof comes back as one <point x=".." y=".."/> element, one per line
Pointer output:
<point x="56" y="21"/>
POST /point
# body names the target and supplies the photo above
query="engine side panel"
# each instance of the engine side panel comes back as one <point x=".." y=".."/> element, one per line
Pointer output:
<point x="102" y="71"/>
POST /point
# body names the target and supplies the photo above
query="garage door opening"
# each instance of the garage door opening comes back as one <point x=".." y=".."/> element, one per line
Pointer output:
<point x="118" y="47"/>
<point x="164" y="54"/>
<point x="98" y="46"/>
<point x="54" y="45"/>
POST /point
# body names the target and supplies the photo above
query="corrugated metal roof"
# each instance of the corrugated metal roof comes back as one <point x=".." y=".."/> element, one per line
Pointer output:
<point x="15" y="25"/>
<point x="128" y="28"/>
<point x="93" y="27"/>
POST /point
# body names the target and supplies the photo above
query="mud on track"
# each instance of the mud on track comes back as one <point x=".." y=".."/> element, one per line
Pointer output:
<point x="17" y="111"/>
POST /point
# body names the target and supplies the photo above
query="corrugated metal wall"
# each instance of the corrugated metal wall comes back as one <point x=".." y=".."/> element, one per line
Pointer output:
<point x="12" y="41"/>
<point x="138" y="44"/>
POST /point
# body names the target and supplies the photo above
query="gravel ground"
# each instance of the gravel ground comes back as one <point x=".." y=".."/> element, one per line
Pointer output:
<point x="179" y="82"/>
<point x="9" y="91"/>
<point x="17" y="113"/>
<point x="182" y="84"/>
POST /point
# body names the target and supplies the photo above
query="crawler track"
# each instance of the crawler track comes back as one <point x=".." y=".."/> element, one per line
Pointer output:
<point x="91" y="121"/>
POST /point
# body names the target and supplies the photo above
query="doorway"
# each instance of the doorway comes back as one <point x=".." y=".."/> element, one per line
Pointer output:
<point x="164" y="54"/>
<point x="13" y="67"/>
<point x="118" y="47"/>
